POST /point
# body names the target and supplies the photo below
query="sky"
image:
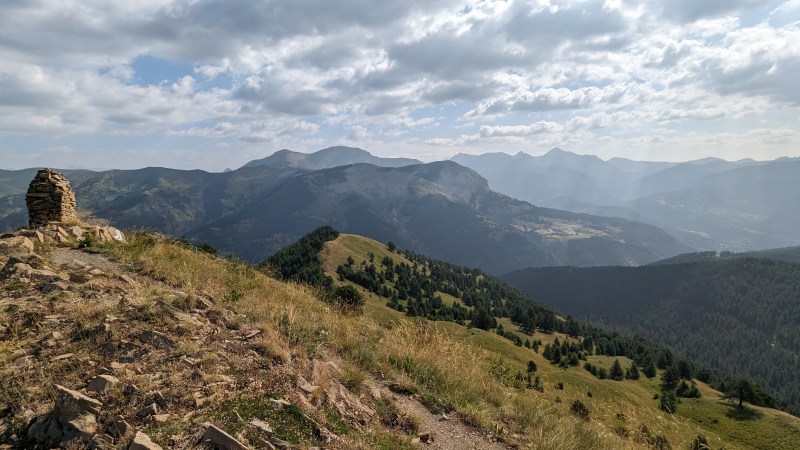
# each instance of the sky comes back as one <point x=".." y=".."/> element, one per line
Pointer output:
<point x="212" y="84"/>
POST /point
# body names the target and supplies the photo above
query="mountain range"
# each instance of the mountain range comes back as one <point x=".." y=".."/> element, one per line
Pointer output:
<point x="327" y="158"/>
<point x="442" y="209"/>
<point x="708" y="204"/>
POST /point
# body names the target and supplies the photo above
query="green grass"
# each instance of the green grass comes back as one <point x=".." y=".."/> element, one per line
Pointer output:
<point x="289" y="423"/>
<point x="750" y="427"/>
<point x="382" y="440"/>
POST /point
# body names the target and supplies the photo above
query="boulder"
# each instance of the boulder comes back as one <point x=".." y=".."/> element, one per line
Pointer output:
<point x="76" y="232"/>
<point x="34" y="235"/>
<point x="101" y="442"/>
<point x="19" y="242"/>
<point x="73" y="419"/>
<point x="119" y="429"/>
<point x="24" y="270"/>
<point x="53" y="339"/>
<point x="116" y="235"/>
<point x="149" y="410"/>
<point x="348" y="405"/>
<point x="324" y="372"/>
<point x="143" y="442"/>
<point x="425" y="438"/>
<point x="57" y="286"/>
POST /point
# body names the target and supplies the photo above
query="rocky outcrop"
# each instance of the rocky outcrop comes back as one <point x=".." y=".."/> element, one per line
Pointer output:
<point x="50" y="199"/>
<point x="73" y="419"/>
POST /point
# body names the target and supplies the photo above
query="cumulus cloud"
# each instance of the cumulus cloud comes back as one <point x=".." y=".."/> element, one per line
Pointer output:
<point x="690" y="10"/>
<point x="423" y="74"/>
<point x="520" y="130"/>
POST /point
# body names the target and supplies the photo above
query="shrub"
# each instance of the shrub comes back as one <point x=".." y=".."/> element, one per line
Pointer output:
<point x="699" y="443"/>
<point x="87" y="241"/>
<point x="205" y="247"/>
<point x="348" y="298"/>
<point x="579" y="409"/>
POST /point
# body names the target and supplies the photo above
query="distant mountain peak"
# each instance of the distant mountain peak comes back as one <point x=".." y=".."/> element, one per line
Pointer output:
<point x="343" y="150"/>
<point x="560" y="154"/>
<point x="327" y="158"/>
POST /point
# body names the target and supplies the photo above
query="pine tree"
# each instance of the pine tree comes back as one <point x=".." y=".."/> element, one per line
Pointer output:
<point x="670" y="378"/>
<point x="649" y="369"/>
<point x="616" y="373"/>
<point x="741" y="389"/>
<point x="633" y="372"/>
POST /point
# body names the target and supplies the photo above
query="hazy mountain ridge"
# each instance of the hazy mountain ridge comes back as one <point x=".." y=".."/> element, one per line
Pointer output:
<point x="785" y="254"/>
<point x="708" y="204"/>
<point x="328" y="158"/>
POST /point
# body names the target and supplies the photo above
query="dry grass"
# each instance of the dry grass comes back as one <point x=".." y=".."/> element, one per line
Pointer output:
<point x="298" y="326"/>
<point x="452" y="367"/>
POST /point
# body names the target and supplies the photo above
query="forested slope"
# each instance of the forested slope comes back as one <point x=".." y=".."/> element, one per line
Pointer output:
<point x="739" y="316"/>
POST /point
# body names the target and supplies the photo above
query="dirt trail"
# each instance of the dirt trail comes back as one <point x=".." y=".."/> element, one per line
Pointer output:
<point x="67" y="256"/>
<point x="448" y="434"/>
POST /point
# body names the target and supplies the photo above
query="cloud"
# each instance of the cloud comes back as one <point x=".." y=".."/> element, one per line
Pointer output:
<point x="520" y="130"/>
<point x="690" y="10"/>
<point x="481" y="75"/>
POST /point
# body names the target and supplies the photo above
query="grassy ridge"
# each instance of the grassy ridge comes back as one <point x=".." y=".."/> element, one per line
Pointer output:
<point x="298" y="326"/>
<point x="709" y="416"/>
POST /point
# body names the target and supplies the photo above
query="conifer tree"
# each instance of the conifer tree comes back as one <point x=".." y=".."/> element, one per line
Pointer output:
<point x="616" y="372"/>
<point x="633" y="372"/>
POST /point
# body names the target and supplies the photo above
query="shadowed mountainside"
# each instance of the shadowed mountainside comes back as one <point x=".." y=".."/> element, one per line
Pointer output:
<point x="441" y="209"/>
<point x="740" y="315"/>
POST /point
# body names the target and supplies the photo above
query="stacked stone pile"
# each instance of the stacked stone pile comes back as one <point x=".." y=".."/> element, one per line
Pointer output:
<point x="50" y="199"/>
<point x="52" y="216"/>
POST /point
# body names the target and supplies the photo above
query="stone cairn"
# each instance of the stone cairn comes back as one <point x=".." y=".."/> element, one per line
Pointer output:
<point x="50" y="199"/>
<point x="52" y="216"/>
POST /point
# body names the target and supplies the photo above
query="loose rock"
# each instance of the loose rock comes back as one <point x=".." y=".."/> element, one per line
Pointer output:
<point x="156" y="339"/>
<point x="102" y="384"/>
<point x="120" y="429"/>
<point x="221" y="439"/>
<point x="143" y="442"/>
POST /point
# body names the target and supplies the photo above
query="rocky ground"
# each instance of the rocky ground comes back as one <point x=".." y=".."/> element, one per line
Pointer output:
<point x="94" y="354"/>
